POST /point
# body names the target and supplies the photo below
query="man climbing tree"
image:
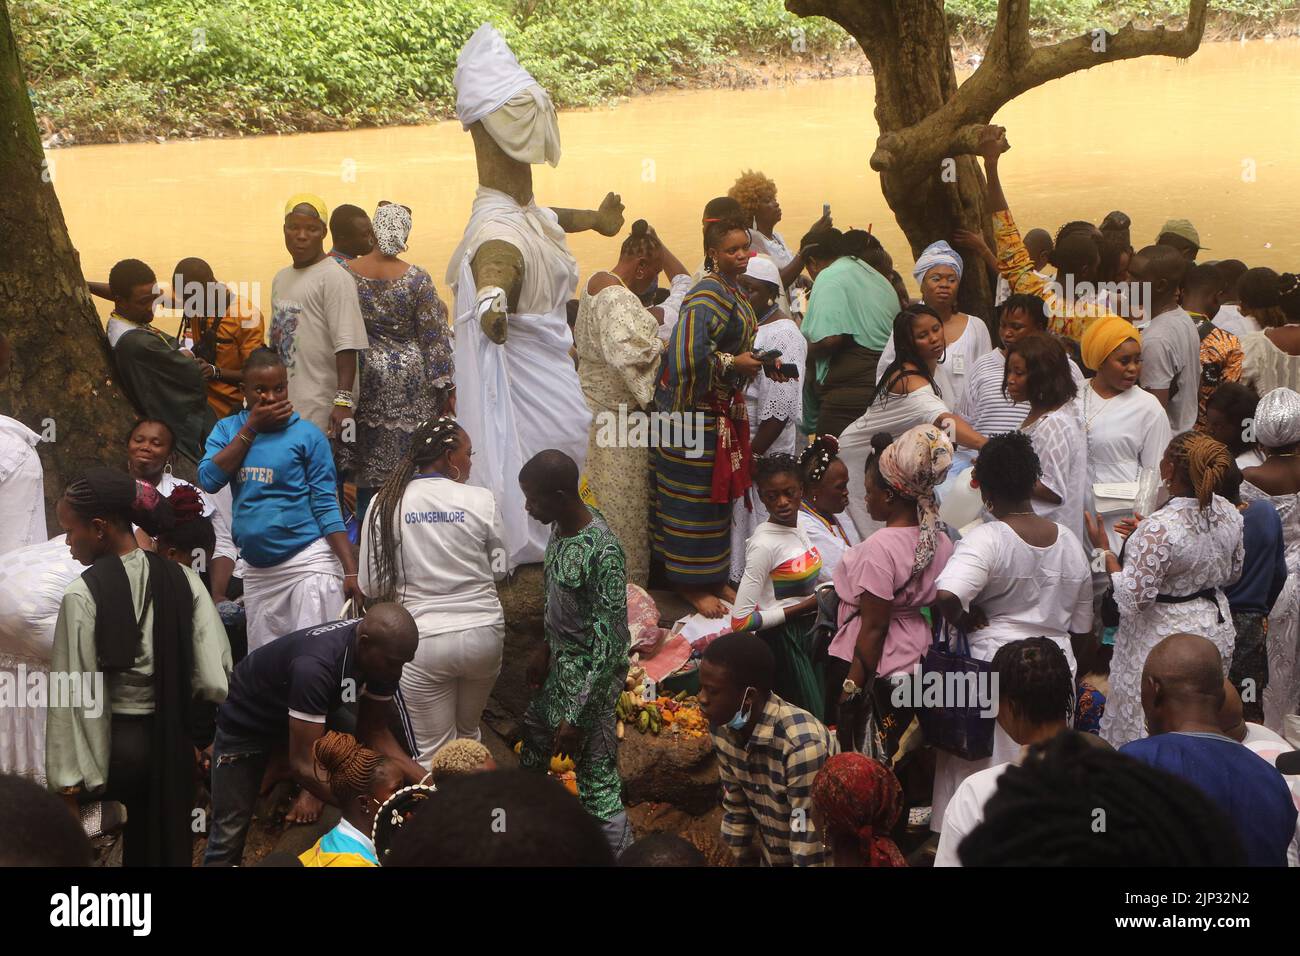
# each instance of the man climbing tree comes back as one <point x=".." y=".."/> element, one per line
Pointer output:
<point x="929" y="126"/>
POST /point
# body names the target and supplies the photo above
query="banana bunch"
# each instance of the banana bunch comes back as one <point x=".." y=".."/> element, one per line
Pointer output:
<point x="644" y="716"/>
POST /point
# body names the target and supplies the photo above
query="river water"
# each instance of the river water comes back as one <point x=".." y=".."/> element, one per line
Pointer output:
<point x="1213" y="139"/>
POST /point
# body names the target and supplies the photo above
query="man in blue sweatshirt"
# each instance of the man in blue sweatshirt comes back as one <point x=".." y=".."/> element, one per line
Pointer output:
<point x="1182" y="694"/>
<point x="286" y="518"/>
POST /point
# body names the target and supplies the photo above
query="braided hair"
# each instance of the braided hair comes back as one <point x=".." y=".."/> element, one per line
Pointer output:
<point x="349" y="767"/>
<point x="1048" y="811"/>
<point x="1203" y="460"/>
<point x="432" y="439"/>
<point x="817" y="458"/>
<point x="1034" y="678"/>
<point x="769" y="466"/>
<point x="114" y="496"/>
<point x="640" y="242"/>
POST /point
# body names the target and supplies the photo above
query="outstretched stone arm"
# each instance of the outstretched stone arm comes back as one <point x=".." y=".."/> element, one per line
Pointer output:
<point x="498" y="264"/>
<point x="607" y="220"/>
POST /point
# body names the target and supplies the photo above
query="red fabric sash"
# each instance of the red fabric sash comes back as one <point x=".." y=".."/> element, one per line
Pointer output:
<point x="731" y="473"/>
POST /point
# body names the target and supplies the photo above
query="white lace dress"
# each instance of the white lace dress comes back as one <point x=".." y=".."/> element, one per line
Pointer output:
<point x="1283" y="691"/>
<point x="1178" y="550"/>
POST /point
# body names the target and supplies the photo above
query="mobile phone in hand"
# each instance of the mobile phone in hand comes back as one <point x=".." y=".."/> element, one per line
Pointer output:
<point x="826" y="209"/>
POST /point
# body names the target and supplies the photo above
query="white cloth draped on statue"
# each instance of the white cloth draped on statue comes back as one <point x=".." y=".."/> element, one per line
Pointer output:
<point x="32" y="582"/>
<point x="22" y="487"/>
<point x="522" y="397"/>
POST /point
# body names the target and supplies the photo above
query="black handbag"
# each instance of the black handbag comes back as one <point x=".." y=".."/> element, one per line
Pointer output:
<point x="958" y="728"/>
<point x="827" y="624"/>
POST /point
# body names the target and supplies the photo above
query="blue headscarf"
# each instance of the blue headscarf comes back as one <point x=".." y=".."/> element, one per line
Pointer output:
<point x="936" y="254"/>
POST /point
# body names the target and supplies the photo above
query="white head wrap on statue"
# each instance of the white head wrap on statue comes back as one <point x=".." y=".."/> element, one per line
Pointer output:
<point x="936" y="254"/>
<point x="492" y="88"/>
<point x="1277" y="419"/>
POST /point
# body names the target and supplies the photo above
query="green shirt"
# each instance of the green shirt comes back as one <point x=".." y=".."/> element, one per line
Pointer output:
<point x="850" y="298"/>
<point x="77" y="737"/>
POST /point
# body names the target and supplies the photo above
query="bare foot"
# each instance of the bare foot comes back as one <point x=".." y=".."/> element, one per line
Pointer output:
<point x="704" y="602"/>
<point x="725" y="591"/>
<point x="306" y="809"/>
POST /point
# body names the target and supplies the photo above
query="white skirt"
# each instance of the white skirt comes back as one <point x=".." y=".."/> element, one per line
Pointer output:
<point x="301" y="592"/>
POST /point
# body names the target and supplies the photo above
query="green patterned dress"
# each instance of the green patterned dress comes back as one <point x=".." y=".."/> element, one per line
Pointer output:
<point x="586" y="628"/>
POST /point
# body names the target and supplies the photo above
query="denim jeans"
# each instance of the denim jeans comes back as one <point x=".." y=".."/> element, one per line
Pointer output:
<point x="238" y="764"/>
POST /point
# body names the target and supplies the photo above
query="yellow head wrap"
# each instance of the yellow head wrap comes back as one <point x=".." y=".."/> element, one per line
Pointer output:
<point x="307" y="199"/>
<point x="1105" y="336"/>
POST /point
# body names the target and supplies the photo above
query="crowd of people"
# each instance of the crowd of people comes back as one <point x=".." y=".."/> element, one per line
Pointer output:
<point x="1088" y="502"/>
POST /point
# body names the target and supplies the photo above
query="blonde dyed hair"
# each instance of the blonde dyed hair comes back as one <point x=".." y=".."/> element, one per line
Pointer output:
<point x="751" y="190"/>
<point x="458" y="756"/>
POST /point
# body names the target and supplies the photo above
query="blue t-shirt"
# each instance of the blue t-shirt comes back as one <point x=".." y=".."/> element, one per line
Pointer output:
<point x="285" y="493"/>
<point x="1245" y="786"/>
<point x="1263" y="570"/>
<point x="307" y="674"/>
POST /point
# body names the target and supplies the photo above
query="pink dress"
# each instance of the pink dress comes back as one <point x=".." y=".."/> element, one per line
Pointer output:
<point x="882" y="566"/>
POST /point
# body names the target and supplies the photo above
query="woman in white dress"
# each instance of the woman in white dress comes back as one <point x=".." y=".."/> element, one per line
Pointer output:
<point x="1038" y="372"/>
<point x="1176" y="564"/>
<point x="938" y="273"/>
<point x="1277" y="426"/>
<point x="1126" y="427"/>
<point x="774" y="407"/>
<point x="909" y="395"/>
<point x="825" y="496"/>
<point x="1019" y="575"/>
<point x="1270" y="358"/>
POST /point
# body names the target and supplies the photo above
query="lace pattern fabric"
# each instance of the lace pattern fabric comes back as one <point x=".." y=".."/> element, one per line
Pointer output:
<point x="1179" y="550"/>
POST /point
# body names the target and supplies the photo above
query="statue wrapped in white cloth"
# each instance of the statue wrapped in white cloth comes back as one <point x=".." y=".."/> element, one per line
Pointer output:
<point x="517" y="391"/>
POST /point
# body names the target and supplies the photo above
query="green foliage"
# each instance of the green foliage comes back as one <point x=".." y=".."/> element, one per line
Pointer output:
<point x="284" y="64"/>
<point x="1053" y="17"/>
<point x="106" y="68"/>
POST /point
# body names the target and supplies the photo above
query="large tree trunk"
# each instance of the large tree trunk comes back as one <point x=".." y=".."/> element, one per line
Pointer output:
<point x="60" y="382"/>
<point x="929" y="126"/>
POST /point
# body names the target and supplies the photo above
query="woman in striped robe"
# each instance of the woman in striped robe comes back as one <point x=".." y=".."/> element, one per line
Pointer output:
<point x="702" y="459"/>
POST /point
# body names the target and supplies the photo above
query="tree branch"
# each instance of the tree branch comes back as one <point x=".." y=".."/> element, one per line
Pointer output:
<point x="1010" y="37"/>
<point x="863" y="19"/>
<point x="1081" y="53"/>
<point x="998" y="80"/>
